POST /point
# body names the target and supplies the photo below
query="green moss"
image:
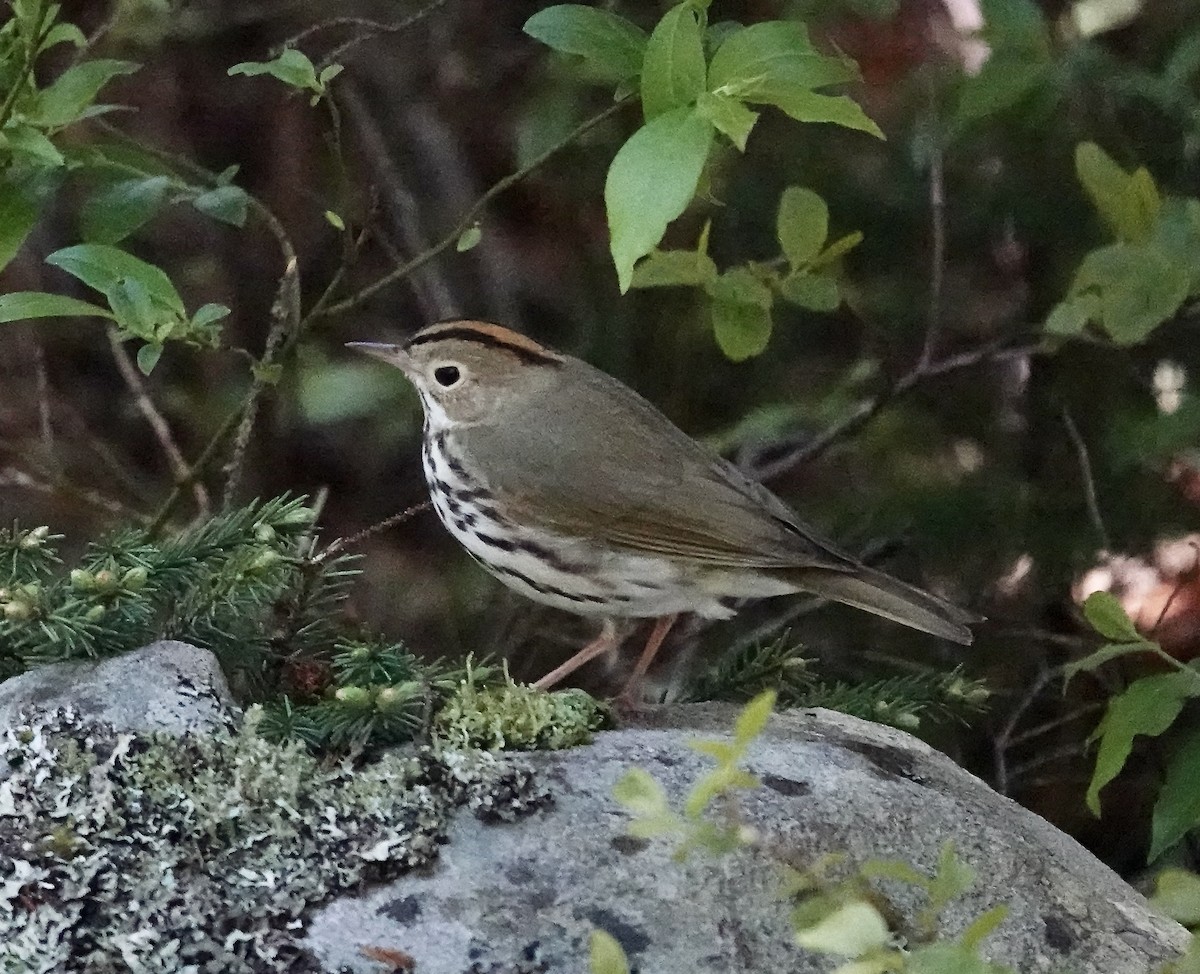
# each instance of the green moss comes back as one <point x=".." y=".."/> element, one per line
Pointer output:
<point x="515" y="717"/>
<point x="204" y="853"/>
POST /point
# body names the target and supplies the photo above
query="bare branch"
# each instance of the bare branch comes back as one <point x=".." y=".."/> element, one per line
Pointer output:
<point x="1089" y="482"/>
<point x="343" y="543"/>
<point x="158" y="423"/>
<point x="469" y="218"/>
<point x="862" y="414"/>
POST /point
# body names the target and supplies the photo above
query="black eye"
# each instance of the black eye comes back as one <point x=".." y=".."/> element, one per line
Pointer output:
<point x="446" y="375"/>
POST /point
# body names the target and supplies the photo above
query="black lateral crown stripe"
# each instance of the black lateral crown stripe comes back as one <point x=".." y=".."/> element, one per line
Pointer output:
<point x="527" y="355"/>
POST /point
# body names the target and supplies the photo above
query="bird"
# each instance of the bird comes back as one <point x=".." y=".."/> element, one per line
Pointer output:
<point x="575" y="491"/>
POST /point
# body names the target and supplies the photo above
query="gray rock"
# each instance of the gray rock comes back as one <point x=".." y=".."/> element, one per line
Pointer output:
<point x="525" y="897"/>
<point x="168" y="685"/>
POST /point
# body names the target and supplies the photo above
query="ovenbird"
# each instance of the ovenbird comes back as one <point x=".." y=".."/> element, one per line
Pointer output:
<point x="575" y="491"/>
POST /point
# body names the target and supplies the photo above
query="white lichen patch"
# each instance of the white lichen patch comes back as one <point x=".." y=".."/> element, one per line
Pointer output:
<point x="205" y="854"/>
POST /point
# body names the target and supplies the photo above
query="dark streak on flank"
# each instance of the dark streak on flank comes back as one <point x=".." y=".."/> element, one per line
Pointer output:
<point x="468" y="334"/>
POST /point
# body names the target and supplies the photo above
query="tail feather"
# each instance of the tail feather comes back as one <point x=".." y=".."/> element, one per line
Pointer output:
<point x="891" y="598"/>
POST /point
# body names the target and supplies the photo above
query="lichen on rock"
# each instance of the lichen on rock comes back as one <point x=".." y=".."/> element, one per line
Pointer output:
<point x="516" y="717"/>
<point x="205" y="853"/>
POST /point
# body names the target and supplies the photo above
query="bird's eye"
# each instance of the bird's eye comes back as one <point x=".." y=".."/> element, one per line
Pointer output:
<point x="446" y="375"/>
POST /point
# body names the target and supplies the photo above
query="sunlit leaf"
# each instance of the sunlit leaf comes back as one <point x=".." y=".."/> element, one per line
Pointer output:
<point x="606" y="955"/>
<point x="1177" y="894"/>
<point x="816" y="292"/>
<point x="849" y="931"/>
<point x="640" y="793"/>
<point x="753" y="719"/>
<point x="651" y="181"/>
<point x="730" y="117"/>
<point x="802" y="224"/>
<point x="609" y="43"/>
<point x="809" y="106"/>
<point x="742" y="330"/>
<point x="770" y="54"/>
<point x="1107" y="616"/>
<point x="1138" y="286"/>
<point x="674" y="268"/>
<point x="673" y="68"/>
<point x="1129" y="203"/>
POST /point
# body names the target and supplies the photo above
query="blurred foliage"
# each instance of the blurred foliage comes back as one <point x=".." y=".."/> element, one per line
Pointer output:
<point x="975" y="337"/>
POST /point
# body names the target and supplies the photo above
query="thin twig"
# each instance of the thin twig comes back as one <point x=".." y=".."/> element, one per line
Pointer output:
<point x="865" y="411"/>
<point x="157" y="422"/>
<point x="937" y="256"/>
<point x="1089" y="482"/>
<point x="45" y="409"/>
<point x="14" y="477"/>
<point x="285" y="313"/>
<point x="343" y="543"/>
<point x="1055" y="724"/>
<point x="471" y="216"/>
<point x="1003" y="739"/>
<point x="1180" y="584"/>
<point x="367" y="29"/>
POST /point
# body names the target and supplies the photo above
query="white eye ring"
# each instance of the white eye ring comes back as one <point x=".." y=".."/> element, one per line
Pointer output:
<point x="447" y="375"/>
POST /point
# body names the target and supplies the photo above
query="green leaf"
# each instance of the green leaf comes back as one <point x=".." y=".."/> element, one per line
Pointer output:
<point x="120" y="209"/>
<point x="292" y="67"/>
<point x="741" y="313"/>
<point x="609" y="43"/>
<point x="641" y="794"/>
<point x="225" y="203"/>
<point x="606" y="955"/>
<point x="72" y="94"/>
<point x="469" y="239"/>
<point x="953" y="878"/>
<point x="816" y="292"/>
<point x="1106" y="615"/>
<point x="896" y="870"/>
<point x="673" y="68"/>
<point x="774" y="53"/>
<point x="1128" y="203"/>
<point x="650" y="182"/>
<point x="808" y="106"/>
<point x="1005" y="81"/>
<point x="103" y="267"/>
<point x="983" y="926"/>
<point x="209" y="314"/>
<point x="949" y="958"/>
<point x="753" y="718"/>
<point x="1069" y="318"/>
<point x="836" y="250"/>
<point x="730" y="117"/>
<point x="20" y="305"/>
<point x="1148" y="706"/>
<point x="30" y="142"/>
<point x="147" y="357"/>
<point x="19" y="209"/>
<point x="1138" y="286"/>
<point x="852" y="930"/>
<point x="801" y="225"/>
<point x="1177" y="810"/>
<point x="135" y="312"/>
<point x="1109" y="651"/>
<point x="1177" y="233"/>
<point x="334" y="220"/>
<point x="1177" y="894"/>
<point x="742" y="330"/>
<point x="674" y="268"/>
<point x="63" y="33"/>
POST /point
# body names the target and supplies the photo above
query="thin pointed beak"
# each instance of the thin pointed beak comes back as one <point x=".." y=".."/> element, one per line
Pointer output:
<point x="392" y="354"/>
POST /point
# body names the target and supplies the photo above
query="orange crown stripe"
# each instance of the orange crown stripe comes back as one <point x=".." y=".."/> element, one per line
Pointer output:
<point x="486" y="333"/>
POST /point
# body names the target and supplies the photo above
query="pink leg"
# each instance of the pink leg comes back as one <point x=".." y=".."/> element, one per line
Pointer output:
<point x="653" y="642"/>
<point x="606" y="641"/>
